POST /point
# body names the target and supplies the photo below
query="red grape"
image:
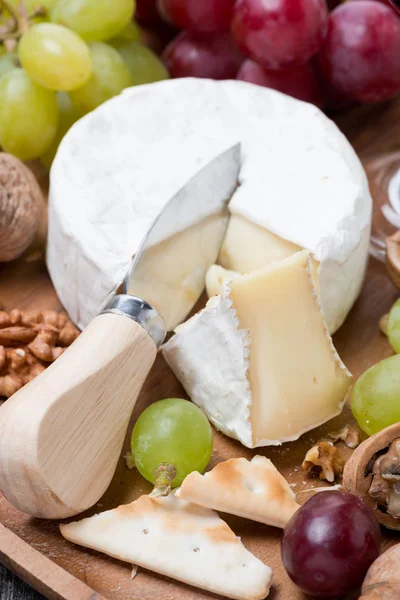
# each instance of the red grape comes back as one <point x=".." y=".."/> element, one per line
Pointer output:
<point x="361" y="53"/>
<point x="199" y="16"/>
<point x="146" y="11"/>
<point x="332" y="99"/>
<point x="330" y="543"/>
<point x="395" y="4"/>
<point x="214" y="58"/>
<point x="300" y="83"/>
<point x="281" y="34"/>
<point x="158" y="36"/>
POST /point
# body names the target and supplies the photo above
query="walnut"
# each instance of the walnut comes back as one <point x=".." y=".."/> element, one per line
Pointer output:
<point x="382" y="581"/>
<point x="385" y="486"/>
<point x="373" y="473"/>
<point x="129" y="460"/>
<point x="325" y="460"/>
<point x="21" y="207"/>
<point x="29" y="341"/>
<point x="348" y="434"/>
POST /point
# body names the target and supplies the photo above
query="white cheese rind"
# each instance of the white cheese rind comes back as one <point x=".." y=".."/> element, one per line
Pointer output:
<point x="259" y="359"/>
<point x="223" y="393"/>
<point x="119" y="165"/>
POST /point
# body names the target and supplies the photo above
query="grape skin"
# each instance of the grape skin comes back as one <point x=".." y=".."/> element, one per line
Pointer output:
<point x="130" y="33"/>
<point x="173" y="431"/>
<point x="216" y="57"/>
<point x="8" y="62"/>
<point x="330" y="543"/>
<point x="68" y="116"/>
<point x="147" y="12"/>
<point x="361" y="53"/>
<point x="375" y="400"/>
<point x="28" y="116"/>
<point x="94" y="20"/>
<point x="301" y="83"/>
<point x="110" y="75"/>
<point x="143" y="63"/>
<point x="201" y="17"/>
<point x="55" y="57"/>
<point x="393" y="327"/>
<point x="31" y="5"/>
<point x="282" y="34"/>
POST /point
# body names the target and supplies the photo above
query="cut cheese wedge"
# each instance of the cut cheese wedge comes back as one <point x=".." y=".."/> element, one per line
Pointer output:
<point x="254" y="490"/>
<point x="259" y="359"/>
<point x="178" y="539"/>
<point x="216" y="279"/>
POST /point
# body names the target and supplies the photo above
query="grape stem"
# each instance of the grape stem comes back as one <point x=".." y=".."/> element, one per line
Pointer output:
<point x="19" y="22"/>
<point x="166" y="473"/>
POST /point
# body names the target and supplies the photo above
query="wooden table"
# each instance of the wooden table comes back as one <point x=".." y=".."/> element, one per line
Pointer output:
<point x="374" y="131"/>
<point x="12" y="588"/>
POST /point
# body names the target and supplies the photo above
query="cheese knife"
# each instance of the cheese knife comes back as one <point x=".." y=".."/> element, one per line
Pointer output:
<point x="62" y="434"/>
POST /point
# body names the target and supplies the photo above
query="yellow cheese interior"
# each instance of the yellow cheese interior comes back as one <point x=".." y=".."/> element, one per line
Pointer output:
<point x="296" y="378"/>
<point x="171" y="274"/>
<point x="248" y="247"/>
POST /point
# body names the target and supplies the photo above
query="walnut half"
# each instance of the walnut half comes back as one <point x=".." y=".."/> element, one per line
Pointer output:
<point x="29" y="341"/>
<point x="385" y="486"/>
<point x="373" y="473"/>
<point x="325" y="460"/>
<point x="348" y="434"/>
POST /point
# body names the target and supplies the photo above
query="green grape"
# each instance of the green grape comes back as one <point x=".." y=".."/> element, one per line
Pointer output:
<point x="375" y="400"/>
<point x="131" y="33"/>
<point x="172" y="431"/>
<point x="144" y="65"/>
<point x="28" y="116"/>
<point x="55" y="57"/>
<point x="393" y="326"/>
<point x="8" y="62"/>
<point x="68" y="116"/>
<point x="94" y="20"/>
<point x="32" y="5"/>
<point x="110" y="75"/>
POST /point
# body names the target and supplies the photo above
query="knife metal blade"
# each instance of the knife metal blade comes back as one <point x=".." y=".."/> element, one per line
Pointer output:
<point x="170" y="267"/>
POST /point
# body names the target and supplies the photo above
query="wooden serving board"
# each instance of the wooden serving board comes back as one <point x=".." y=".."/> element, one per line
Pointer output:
<point x="35" y="549"/>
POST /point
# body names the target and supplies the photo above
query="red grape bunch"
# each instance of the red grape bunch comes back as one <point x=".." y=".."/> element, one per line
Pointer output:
<point x="350" y="54"/>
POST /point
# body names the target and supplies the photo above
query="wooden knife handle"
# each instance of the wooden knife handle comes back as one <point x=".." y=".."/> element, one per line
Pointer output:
<point x="62" y="434"/>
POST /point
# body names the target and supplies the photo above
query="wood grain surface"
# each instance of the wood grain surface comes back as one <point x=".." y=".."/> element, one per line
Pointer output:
<point x="373" y="132"/>
<point x="13" y="588"/>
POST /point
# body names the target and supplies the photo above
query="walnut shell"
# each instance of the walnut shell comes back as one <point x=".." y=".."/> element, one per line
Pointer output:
<point x="382" y="581"/>
<point x="357" y="474"/>
<point x="21" y="207"/>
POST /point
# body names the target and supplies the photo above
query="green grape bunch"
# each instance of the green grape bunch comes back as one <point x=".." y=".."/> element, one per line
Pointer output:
<point x="60" y="59"/>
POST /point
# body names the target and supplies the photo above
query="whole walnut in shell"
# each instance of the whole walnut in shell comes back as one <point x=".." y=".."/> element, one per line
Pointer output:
<point x="21" y="207"/>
